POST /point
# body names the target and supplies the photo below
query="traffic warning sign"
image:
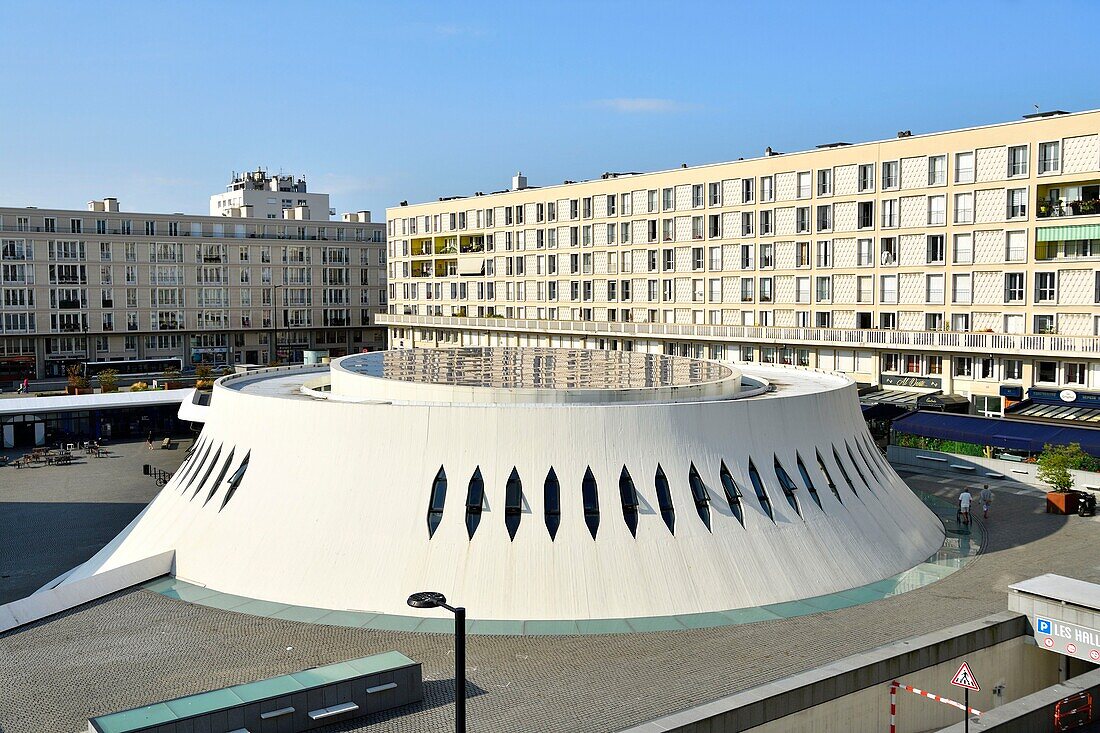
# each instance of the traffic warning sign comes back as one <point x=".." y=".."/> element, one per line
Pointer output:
<point x="965" y="678"/>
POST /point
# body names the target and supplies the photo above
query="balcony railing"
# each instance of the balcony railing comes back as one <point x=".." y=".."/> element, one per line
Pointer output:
<point x="1041" y="344"/>
<point x="1048" y="210"/>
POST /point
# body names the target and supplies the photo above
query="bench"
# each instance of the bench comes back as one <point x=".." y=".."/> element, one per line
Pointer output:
<point x="299" y="701"/>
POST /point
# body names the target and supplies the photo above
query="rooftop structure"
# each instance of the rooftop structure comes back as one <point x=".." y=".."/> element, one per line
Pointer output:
<point x="541" y="484"/>
<point x="262" y="195"/>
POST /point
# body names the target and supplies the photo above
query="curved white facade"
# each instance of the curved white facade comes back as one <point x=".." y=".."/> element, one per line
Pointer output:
<point x="333" y="507"/>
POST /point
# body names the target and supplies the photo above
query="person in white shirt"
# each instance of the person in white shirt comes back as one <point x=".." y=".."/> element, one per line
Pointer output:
<point x="964" y="505"/>
<point x="986" y="496"/>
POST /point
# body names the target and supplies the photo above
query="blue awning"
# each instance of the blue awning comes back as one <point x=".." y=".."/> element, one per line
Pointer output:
<point x="1014" y="434"/>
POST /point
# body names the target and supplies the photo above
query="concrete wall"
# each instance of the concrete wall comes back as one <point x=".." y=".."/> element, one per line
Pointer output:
<point x="981" y="468"/>
<point x="49" y="601"/>
<point x="853" y="694"/>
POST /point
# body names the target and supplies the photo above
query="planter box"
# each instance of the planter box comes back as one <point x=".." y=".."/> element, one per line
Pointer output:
<point x="79" y="390"/>
<point x="1059" y="502"/>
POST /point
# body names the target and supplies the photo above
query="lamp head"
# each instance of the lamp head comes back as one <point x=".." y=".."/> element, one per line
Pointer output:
<point x="427" y="599"/>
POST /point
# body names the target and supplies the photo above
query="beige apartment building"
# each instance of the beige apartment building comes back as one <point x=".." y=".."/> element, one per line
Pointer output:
<point x="962" y="261"/>
<point x="106" y="284"/>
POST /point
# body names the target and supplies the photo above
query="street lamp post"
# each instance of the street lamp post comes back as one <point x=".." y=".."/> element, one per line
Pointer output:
<point x="429" y="599"/>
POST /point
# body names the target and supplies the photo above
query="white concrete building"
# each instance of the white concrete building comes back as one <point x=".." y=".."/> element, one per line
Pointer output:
<point x="106" y="284"/>
<point x="532" y="484"/>
<point x="260" y="195"/>
<point x="963" y="261"/>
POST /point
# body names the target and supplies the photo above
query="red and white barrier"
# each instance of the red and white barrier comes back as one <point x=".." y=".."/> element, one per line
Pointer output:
<point x="895" y="686"/>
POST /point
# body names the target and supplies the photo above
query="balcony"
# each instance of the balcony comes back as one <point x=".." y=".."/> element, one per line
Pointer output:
<point x="68" y="304"/>
<point x="961" y="341"/>
<point x="1079" y="198"/>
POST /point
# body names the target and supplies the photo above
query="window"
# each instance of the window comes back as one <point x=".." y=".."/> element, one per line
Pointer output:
<point x="668" y="199"/>
<point x="890" y="174"/>
<point x="802" y="220"/>
<point x="933" y="321"/>
<point x="1050" y="157"/>
<point x="825" y="182"/>
<point x="865" y="252"/>
<point x="801" y="254"/>
<point x="761" y="492"/>
<point x="1046" y="371"/>
<point x="1017" y="203"/>
<point x="933" y="288"/>
<point x="802" y="290"/>
<point x="1016" y="246"/>
<point x="1045" y="324"/>
<point x="888" y="321"/>
<point x="786" y="485"/>
<point x="590" y="500"/>
<point x="964" y="249"/>
<point x="767" y="259"/>
<point x="714" y="227"/>
<point x="1017" y="160"/>
<point x="964" y="208"/>
<point x="960" y="322"/>
<point x="733" y="494"/>
<point x="700" y="495"/>
<point x="889" y="248"/>
<point x="866" y="177"/>
<point x="746" y="224"/>
<point x="1045" y="287"/>
<point x="964" y="366"/>
<point x="714" y="191"/>
<point x="937" y="170"/>
<point x="824" y="217"/>
<point x="825" y="253"/>
<point x="865" y="291"/>
<point x="964" y="167"/>
<point x="937" y="210"/>
<point x="664" y="499"/>
<point x="888" y="292"/>
<point x="828" y="476"/>
<point x="1014" y="287"/>
<point x="551" y="494"/>
<point x="765" y="290"/>
<point x="1074" y="373"/>
<point x="1013" y="369"/>
<point x="748" y="190"/>
<point x="824" y="289"/>
<point x="513" y="503"/>
<point x="865" y="214"/>
<point x="475" y="500"/>
<point x="696" y="196"/>
<point x="960" y="288"/>
<point x="767" y="188"/>
<point x="890" y="212"/>
<point x="767" y="223"/>
<point x="935" y="247"/>
<point x="803" y="185"/>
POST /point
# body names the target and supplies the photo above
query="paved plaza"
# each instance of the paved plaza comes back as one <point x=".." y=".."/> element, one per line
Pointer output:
<point x="138" y="647"/>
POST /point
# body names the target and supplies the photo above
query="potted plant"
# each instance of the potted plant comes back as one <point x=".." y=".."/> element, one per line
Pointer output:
<point x="1055" y="463"/>
<point x="171" y="378"/>
<point x="1075" y="207"/>
<point x="1044" y="208"/>
<point x="108" y="380"/>
<point x="77" y="382"/>
<point x="204" y="376"/>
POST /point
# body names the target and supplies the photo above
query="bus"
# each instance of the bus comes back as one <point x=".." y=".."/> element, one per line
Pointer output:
<point x="132" y="367"/>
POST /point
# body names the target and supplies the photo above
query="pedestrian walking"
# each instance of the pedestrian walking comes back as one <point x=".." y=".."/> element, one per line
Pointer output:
<point x="986" y="497"/>
<point x="149" y="441"/>
<point x="964" y="505"/>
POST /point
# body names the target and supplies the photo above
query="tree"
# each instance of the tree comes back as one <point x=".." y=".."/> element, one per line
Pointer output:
<point x="1056" y="461"/>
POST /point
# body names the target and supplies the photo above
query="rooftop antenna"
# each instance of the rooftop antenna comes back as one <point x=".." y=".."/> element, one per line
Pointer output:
<point x="1036" y="108"/>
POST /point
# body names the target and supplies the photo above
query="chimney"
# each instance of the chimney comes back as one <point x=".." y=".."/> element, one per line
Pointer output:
<point x="519" y="181"/>
<point x="106" y="205"/>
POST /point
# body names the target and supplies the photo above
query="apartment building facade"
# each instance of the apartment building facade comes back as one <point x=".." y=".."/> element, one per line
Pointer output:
<point x="105" y="284"/>
<point x="963" y="261"/>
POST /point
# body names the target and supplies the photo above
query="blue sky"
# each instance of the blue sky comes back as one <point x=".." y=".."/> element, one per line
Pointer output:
<point x="156" y="103"/>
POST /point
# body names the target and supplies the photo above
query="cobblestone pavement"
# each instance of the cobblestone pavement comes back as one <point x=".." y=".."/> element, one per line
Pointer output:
<point x="137" y="647"/>
<point x="52" y="518"/>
